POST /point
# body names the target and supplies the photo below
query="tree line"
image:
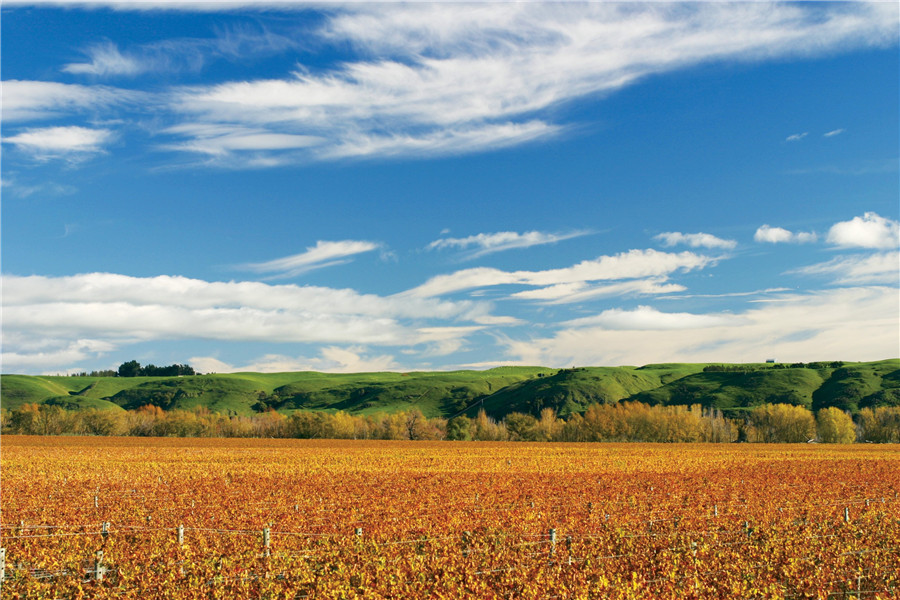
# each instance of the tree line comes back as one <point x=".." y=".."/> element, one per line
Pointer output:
<point x="133" y="368"/>
<point x="621" y="422"/>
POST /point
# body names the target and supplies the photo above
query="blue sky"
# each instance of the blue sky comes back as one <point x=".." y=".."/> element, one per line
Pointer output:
<point x="280" y="186"/>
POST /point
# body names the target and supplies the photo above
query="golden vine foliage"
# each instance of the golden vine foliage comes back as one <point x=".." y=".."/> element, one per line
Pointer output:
<point x="447" y="520"/>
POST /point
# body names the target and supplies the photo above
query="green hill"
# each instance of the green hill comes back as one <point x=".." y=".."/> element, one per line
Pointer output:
<point x="733" y="388"/>
<point x="573" y="390"/>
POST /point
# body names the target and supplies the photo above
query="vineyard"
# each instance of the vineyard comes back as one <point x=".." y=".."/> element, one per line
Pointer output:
<point x="87" y="517"/>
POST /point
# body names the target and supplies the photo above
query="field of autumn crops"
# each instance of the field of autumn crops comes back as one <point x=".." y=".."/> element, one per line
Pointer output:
<point x="345" y="519"/>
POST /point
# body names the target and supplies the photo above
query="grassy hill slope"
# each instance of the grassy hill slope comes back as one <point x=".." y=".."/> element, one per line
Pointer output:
<point x="573" y="390"/>
<point x="850" y="386"/>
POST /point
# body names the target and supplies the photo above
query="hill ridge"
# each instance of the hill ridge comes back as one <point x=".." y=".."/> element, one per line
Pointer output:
<point x="731" y="387"/>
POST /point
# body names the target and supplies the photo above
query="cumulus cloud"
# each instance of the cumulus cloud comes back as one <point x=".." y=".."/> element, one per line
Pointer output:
<point x="633" y="264"/>
<point x="779" y="235"/>
<point x="868" y="231"/>
<point x="853" y="323"/>
<point x="694" y="240"/>
<point x="60" y="142"/>
<point x="323" y="254"/>
<point x="879" y="268"/>
<point x="487" y="243"/>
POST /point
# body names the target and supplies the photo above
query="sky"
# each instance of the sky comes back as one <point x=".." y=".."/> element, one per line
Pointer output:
<point x="276" y="186"/>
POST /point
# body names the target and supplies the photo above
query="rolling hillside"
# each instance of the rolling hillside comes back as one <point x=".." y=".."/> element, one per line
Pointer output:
<point x="733" y="388"/>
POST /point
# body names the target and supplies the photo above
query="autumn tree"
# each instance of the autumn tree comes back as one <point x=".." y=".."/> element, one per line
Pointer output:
<point x="782" y="423"/>
<point x="834" y="426"/>
<point x="881" y="424"/>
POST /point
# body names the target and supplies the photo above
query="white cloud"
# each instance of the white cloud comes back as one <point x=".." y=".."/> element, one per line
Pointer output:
<point x="105" y="59"/>
<point x="60" y="142"/>
<point x="869" y="231"/>
<point x="447" y="78"/>
<point x="833" y="133"/>
<point x="50" y="354"/>
<point x="694" y="240"/>
<point x="191" y="54"/>
<point x="31" y="100"/>
<point x="446" y="141"/>
<point x="119" y="310"/>
<point x="333" y="359"/>
<point x="487" y="243"/>
<point x="567" y="293"/>
<point x="879" y="268"/>
<point x="858" y="323"/>
<point x="647" y="318"/>
<point x="633" y="264"/>
<point x="778" y="235"/>
<point x="796" y="137"/>
<point x="222" y="140"/>
<point x="323" y="254"/>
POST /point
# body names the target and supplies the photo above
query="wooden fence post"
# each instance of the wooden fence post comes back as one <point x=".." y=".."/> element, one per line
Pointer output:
<point x="98" y="566"/>
<point x="552" y="542"/>
<point x="267" y="538"/>
<point x="181" y="535"/>
<point x="2" y="564"/>
<point x="846" y="514"/>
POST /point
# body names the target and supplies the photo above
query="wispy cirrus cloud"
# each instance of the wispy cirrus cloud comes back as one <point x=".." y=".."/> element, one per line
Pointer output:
<point x="224" y="140"/>
<point x="35" y="100"/>
<point x="694" y="240"/>
<point x="106" y="59"/>
<point x="568" y="293"/>
<point x="426" y="80"/>
<point x="634" y="264"/>
<point x="488" y="243"/>
<point x="447" y="79"/>
<point x="779" y="235"/>
<point x="796" y="137"/>
<point x="870" y="269"/>
<point x="323" y="254"/>
<point x="833" y="133"/>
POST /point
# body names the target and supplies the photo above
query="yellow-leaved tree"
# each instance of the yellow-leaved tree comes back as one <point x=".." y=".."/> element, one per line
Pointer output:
<point x="780" y="423"/>
<point x="834" y="426"/>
